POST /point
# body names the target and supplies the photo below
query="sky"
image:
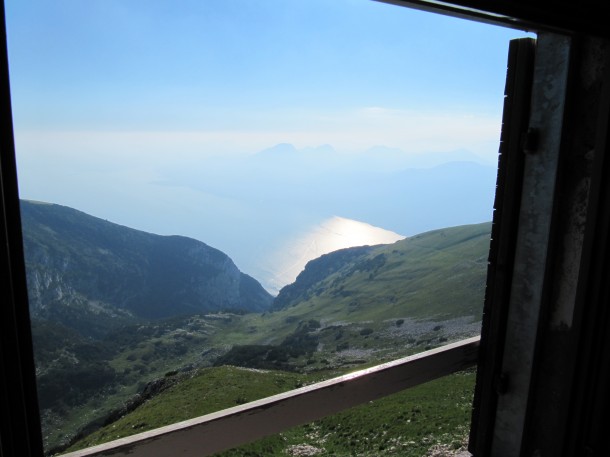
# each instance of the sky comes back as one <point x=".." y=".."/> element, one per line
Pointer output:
<point x="145" y="72"/>
<point x="112" y="97"/>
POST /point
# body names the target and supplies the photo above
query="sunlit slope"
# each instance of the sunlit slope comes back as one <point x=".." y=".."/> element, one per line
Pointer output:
<point x="183" y="396"/>
<point x="438" y="275"/>
<point x="406" y="424"/>
<point x="327" y="236"/>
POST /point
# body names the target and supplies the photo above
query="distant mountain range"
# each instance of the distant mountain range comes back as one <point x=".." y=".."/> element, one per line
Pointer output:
<point x="92" y="275"/>
<point x="282" y="193"/>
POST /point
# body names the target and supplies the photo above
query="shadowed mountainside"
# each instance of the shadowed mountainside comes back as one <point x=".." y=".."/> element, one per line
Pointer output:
<point x="92" y="275"/>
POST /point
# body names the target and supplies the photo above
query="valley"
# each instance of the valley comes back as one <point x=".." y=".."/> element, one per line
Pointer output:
<point x="100" y="351"/>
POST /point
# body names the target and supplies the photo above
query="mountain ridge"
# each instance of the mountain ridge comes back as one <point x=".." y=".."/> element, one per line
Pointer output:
<point x="405" y="275"/>
<point x="80" y="264"/>
<point x="98" y="340"/>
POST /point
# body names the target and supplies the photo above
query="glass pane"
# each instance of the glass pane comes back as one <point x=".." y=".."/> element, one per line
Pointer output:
<point x="280" y="190"/>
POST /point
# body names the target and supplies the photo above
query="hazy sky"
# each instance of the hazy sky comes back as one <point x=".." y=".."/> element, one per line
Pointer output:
<point x="112" y="97"/>
<point x="207" y="76"/>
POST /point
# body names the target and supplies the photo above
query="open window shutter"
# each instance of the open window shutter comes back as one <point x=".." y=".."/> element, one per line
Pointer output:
<point x="515" y="120"/>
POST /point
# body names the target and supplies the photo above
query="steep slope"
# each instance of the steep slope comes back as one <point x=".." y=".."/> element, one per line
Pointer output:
<point x="370" y="303"/>
<point x="329" y="235"/>
<point x="93" y="275"/>
<point x="438" y="274"/>
<point x="317" y="271"/>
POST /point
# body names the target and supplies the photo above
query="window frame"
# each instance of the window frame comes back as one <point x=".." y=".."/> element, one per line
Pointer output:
<point x="20" y="432"/>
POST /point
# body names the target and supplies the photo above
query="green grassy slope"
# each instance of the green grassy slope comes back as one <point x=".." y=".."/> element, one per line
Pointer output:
<point x="366" y="307"/>
<point x="81" y="381"/>
<point x="205" y="391"/>
<point x="405" y="424"/>
<point x="423" y="290"/>
<point x="439" y="273"/>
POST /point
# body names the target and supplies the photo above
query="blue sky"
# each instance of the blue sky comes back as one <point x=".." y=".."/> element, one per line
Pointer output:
<point x="243" y="66"/>
<point x="132" y="110"/>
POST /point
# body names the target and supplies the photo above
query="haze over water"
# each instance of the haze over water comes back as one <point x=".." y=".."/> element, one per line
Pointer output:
<point x="283" y="265"/>
<point x="248" y="124"/>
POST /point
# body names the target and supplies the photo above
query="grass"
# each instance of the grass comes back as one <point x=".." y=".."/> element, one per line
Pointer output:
<point x="438" y="275"/>
<point x="140" y="354"/>
<point x="421" y="293"/>
<point x="205" y="391"/>
<point x="405" y="424"/>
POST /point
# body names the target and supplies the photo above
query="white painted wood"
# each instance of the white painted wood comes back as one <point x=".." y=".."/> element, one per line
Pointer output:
<point x="242" y="424"/>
